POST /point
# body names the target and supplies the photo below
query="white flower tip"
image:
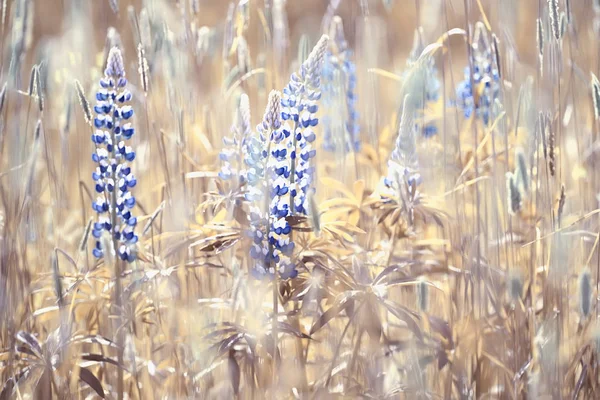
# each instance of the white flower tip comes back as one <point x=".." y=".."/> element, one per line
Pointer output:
<point x="114" y="63"/>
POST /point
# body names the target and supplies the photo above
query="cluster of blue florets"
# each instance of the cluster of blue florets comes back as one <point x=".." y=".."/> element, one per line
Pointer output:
<point x="298" y="113"/>
<point x="484" y="77"/>
<point x="268" y="171"/>
<point x="113" y="178"/>
<point x="430" y="92"/>
<point x="278" y="171"/>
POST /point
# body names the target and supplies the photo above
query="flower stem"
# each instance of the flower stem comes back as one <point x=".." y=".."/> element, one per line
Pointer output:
<point x="117" y="272"/>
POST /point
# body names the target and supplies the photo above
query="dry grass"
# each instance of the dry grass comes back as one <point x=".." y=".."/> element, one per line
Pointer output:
<point x="447" y="247"/>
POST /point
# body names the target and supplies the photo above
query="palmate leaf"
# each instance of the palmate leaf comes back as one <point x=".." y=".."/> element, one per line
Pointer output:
<point x="343" y="302"/>
<point x="392" y="269"/>
<point x="12" y="382"/>
<point x="99" y="358"/>
<point x="284" y="327"/>
<point x="27" y="350"/>
<point x="314" y="286"/>
<point x="442" y="329"/>
<point x="31" y="341"/>
<point x="90" y="379"/>
<point x="225" y="345"/>
<point x="350" y="205"/>
<point x="427" y="213"/>
<point x="404" y="315"/>
<point x="220" y="332"/>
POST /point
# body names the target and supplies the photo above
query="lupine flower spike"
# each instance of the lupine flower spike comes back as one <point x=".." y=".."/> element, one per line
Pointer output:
<point x="280" y="190"/>
<point x="403" y="164"/>
<point x="231" y="155"/>
<point x="339" y="71"/>
<point x="485" y="79"/>
<point x="430" y="91"/>
<point x="299" y="106"/>
<point x="268" y="162"/>
<point x="403" y="176"/>
<point x="256" y="154"/>
<point x="113" y="177"/>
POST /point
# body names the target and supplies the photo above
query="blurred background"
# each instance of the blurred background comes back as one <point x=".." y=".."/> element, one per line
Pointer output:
<point x="448" y="250"/>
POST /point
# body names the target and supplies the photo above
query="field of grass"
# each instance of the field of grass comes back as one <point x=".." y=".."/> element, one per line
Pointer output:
<point x="299" y="199"/>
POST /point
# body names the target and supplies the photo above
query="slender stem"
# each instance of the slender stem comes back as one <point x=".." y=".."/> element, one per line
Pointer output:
<point x="271" y="263"/>
<point x="356" y="349"/>
<point x="293" y="167"/>
<point x="274" y="327"/>
<point x="118" y="303"/>
<point x="338" y="347"/>
<point x="392" y="246"/>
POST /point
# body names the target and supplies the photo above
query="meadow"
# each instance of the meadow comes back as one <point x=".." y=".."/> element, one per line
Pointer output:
<point x="299" y="199"/>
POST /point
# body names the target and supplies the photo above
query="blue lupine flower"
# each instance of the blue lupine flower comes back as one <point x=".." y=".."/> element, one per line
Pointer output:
<point x="278" y="171"/>
<point x="113" y="178"/>
<point x="403" y="165"/>
<point x="431" y="86"/>
<point x="485" y="77"/>
<point x="299" y="106"/>
<point x="268" y="171"/>
<point x="231" y="155"/>
<point x="281" y="191"/>
<point x="338" y="80"/>
<point x="403" y="178"/>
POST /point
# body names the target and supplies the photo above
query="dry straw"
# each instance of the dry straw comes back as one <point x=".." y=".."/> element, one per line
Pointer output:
<point x="143" y="67"/>
<point x="32" y="79"/>
<point x="425" y="271"/>
<point x="496" y="48"/>
<point x="563" y="24"/>
<point x="39" y="94"/>
<point x="550" y="140"/>
<point x="561" y="202"/>
<point x="86" y="235"/>
<point x="3" y="96"/>
<point x="313" y="213"/>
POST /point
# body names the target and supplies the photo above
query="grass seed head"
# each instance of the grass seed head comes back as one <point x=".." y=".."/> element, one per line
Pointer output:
<point x="39" y="93"/>
<point x="32" y="79"/>
<point x="423" y="294"/>
<point x="515" y="201"/>
<point x="83" y="102"/>
<point x="3" y="96"/>
<point x="585" y="293"/>
<point x="143" y="67"/>
<point x="554" y="14"/>
<point x="515" y="287"/>
<point x="522" y="171"/>
<point x="114" y="6"/>
<point x="540" y="41"/>
<point x="596" y="96"/>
